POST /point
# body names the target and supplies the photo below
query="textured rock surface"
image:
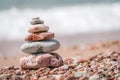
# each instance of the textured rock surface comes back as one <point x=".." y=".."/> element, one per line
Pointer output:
<point x="39" y="36"/>
<point x="40" y="61"/>
<point x="38" y="28"/>
<point x="41" y="46"/>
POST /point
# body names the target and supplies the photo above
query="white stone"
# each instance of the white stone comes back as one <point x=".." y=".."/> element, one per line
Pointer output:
<point x="94" y="77"/>
<point x="65" y="67"/>
<point x="80" y="74"/>
<point x="57" y="77"/>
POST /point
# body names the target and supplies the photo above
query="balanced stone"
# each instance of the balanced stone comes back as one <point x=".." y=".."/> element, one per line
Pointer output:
<point x="36" y="21"/>
<point x="35" y="18"/>
<point x="39" y="36"/>
<point x="38" y="28"/>
<point x="39" y="61"/>
<point x="41" y="46"/>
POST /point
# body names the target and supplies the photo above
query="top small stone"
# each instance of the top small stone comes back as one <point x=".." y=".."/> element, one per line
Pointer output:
<point x="36" y="20"/>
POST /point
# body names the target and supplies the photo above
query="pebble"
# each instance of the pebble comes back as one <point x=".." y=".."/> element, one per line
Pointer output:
<point x="25" y="77"/>
<point x="0" y="71"/>
<point x="16" y="77"/>
<point x="36" y="21"/>
<point x="34" y="77"/>
<point x="80" y="74"/>
<point x="79" y="66"/>
<point x="43" y="78"/>
<point x="40" y="61"/>
<point x="77" y="74"/>
<point x="39" y="36"/>
<point x="46" y="78"/>
<point x="18" y="72"/>
<point x="69" y="78"/>
<point x="40" y="47"/>
<point x="65" y="67"/>
<point x="94" y="77"/>
<point x="57" y="77"/>
<point x="38" y="28"/>
<point x="4" y="76"/>
<point x="119" y="59"/>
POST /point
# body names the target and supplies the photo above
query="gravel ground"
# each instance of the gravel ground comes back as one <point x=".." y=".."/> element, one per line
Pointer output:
<point x="105" y="66"/>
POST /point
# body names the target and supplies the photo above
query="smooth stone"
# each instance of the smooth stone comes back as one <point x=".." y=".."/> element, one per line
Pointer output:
<point x="4" y="76"/>
<point x="94" y="77"/>
<point x="64" y="67"/>
<point x="38" y="28"/>
<point x="80" y="74"/>
<point x="35" y="18"/>
<point x="36" y="21"/>
<point x="39" y="61"/>
<point x="41" y="46"/>
<point x="39" y="36"/>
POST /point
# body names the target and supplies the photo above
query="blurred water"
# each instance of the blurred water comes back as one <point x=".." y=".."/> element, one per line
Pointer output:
<point x="7" y="4"/>
<point x="84" y="16"/>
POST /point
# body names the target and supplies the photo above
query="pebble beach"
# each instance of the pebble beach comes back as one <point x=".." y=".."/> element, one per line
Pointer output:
<point x="104" y="66"/>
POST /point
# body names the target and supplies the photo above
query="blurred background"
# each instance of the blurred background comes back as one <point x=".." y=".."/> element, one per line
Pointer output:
<point x="75" y="23"/>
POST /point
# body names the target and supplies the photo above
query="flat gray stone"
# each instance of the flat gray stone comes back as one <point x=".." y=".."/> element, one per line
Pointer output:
<point x="40" y="46"/>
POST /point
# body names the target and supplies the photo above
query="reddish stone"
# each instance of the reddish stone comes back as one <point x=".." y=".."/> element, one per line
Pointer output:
<point x="40" y="61"/>
<point x="38" y="28"/>
<point x="39" y="36"/>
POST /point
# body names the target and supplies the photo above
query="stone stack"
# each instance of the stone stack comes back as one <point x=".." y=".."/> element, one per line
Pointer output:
<point x="39" y="44"/>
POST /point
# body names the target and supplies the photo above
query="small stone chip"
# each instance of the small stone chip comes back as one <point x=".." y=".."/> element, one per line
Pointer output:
<point x="94" y="77"/>
<point x="65" y="67"/>
<point x="80" y="74"/>
<point x="4" y="76"/>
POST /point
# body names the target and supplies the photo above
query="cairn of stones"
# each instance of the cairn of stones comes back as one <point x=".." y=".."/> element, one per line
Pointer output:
<point x="40" y="46"/>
